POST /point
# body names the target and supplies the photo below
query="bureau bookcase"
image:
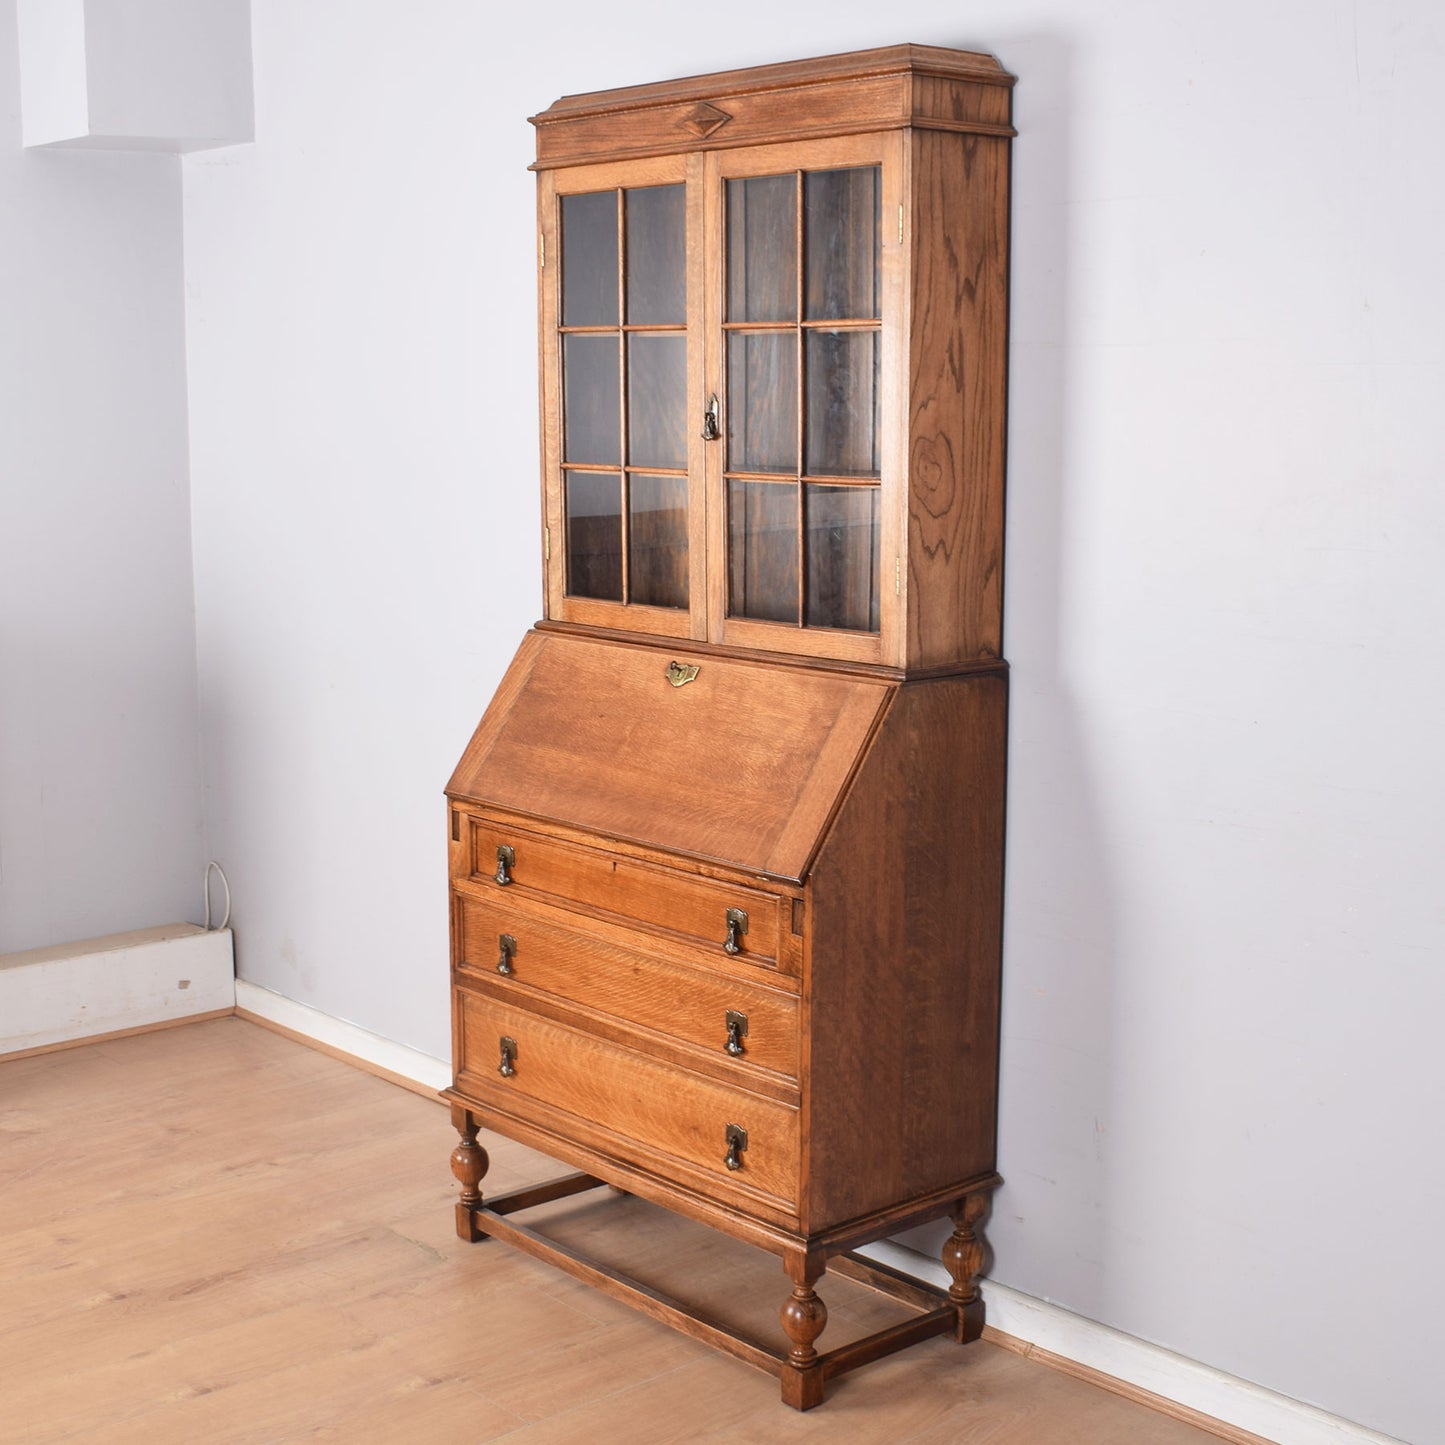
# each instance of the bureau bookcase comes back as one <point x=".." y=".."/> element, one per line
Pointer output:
<point x="726" y="848"/>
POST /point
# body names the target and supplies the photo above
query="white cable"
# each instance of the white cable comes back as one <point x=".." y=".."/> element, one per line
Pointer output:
<point x="224" y="884"/>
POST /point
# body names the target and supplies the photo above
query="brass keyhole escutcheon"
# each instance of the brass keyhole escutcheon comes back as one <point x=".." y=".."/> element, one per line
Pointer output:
<point x="508" y="946"/>
<point x="737" y="1142"/>
<point x="679" y="674"/>
<point x="506" y="861"/>
<point x="508" y="1067"/>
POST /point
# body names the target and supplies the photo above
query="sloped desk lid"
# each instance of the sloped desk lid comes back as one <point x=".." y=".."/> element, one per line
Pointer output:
<point x="742" y="765"/>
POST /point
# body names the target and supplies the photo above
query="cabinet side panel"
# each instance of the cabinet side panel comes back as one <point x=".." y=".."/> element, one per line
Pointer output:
<point x="902" y="976"/>
<point x="958" y="367"/>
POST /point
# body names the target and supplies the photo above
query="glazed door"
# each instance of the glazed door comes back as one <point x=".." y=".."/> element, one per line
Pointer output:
<point x="805" y="280"/>
<point x="622" y="368"/>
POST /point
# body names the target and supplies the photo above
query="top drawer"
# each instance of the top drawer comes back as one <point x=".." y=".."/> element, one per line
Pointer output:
<point x="588" y="879"/>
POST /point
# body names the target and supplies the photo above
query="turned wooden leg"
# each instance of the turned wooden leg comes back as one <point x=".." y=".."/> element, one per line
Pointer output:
<point x="963" y="1257"/>
<point x="469" y="1164"/>
<point x="804" y="1316"/>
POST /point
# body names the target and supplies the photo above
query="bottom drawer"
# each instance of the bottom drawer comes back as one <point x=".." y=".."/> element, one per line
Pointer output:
<point x="672" y="1114"/>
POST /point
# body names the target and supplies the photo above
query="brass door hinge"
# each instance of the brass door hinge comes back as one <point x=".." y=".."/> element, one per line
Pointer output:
<point x="898" y="576"/>
<point x="542" y="248"/>
<point x="546" y="544"/>
<point x="900" y="223"/>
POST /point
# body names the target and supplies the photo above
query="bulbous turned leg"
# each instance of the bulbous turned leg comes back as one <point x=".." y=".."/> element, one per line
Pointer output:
<point x="804" y="1316"/>
<point x="469" y="1164"/>
<point x="963" y="1258"/>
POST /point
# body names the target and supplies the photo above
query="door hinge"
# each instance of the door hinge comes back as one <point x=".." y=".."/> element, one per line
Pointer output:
<point x="542" y="248"/>
<point x="898" y="576"/>
<point x="900" y="223"/>
<point x="546" y="544"/>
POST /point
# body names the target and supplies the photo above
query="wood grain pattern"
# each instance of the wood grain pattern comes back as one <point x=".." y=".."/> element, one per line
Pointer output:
<point x="689" y="1004"/>
<point x="742" y="765"/>
<point x="562" y="1068"/>
<point x="830" y="96"/>
<point x="901" y="982"/>
<point x="958" y="378"/>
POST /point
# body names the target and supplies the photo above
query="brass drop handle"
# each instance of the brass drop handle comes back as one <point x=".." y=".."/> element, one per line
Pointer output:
<point x="710" y="432"/>
<point x="506" y="861"/>
<point x="737" y="1142"/>
<point x="737" y="1027"/>
<point x="508" y="1067"/>
<point x="508" y="946"/>
<point x="737" y="922"/>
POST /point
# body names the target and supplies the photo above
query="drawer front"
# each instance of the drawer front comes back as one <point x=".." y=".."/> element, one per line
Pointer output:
<point x="674" y="1115"/>
<point x="586" y="878"/>
<point x="690" y="1004"/>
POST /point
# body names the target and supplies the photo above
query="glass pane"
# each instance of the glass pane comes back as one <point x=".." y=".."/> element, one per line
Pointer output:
<point x="657" y="400"/>
<point x="594" y="535"/>
<point x="762" y="249"/>
<point x="657" y="541"/>
<point x="656" y="248"/>
<point x="762" y="410"/>
<point x="840" y="228"/>
<point x="842" y="388"/>
<point x="763" y="550"/>
<point x="842" y="546"/>
<point x="589" y="259"/>
<point x="591" y="408"/>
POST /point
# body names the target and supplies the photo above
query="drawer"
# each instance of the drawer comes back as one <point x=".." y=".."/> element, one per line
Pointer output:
<point x="646" y="1112"/>
<point x="586" y="878"/>
<point x="598" y="970"/>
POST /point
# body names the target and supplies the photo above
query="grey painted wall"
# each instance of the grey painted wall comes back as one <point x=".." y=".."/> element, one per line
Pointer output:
<point x="100" y="804"/>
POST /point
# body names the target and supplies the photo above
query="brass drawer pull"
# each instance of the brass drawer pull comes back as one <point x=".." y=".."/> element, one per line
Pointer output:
<point x="508" y="1067"/>
<point x="737" y="1140"/>
<point x="737" y="922"/>
<point x="508" y="945"/>
<point x="737" y="1026"/>
<point x="506" y="861"/>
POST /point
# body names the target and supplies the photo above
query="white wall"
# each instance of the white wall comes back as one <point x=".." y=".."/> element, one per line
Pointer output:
<point x="1220" y="1108"/>
<point x="99" y="772"/>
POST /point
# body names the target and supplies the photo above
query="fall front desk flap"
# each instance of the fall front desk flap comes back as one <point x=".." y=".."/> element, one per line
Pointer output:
<point x="741" y="763"/>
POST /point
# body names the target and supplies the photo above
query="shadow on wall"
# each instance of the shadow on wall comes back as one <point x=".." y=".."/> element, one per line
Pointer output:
<point x="1046" y="1228"/>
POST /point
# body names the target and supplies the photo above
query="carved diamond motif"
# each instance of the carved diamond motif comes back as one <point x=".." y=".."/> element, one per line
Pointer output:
<point x="703" y="119"/>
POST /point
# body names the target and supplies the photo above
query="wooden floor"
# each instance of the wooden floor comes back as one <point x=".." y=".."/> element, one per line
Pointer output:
<point x="214" y="1234"/>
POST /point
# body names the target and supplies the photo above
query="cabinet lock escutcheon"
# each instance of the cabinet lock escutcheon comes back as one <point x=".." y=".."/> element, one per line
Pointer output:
<point x="737" y="1027"/>
<point x="737" y="922"/>
<point x="737" y="1142"/>
<point x="506" y="861"/>
<point x="508" y="946"/>
<point x="710" y="431"/>
<point x="508" y="1067"/>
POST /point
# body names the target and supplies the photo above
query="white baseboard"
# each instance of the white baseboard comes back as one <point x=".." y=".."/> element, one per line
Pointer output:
<point x="1135" y="1362"/>
<point x="1093" y="1346"/>
<point x="428" y="1073"/>
<point x="57" y="995"/>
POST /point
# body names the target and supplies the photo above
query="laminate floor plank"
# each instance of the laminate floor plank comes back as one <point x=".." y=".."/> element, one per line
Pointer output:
<point x="213" y="1233"/>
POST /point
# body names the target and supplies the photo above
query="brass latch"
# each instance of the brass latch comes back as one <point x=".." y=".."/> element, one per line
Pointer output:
<point x="737" y="1026"/>
<point x="506" y="861"/>
<point x="737" y="922"/>
<point x="737" y="1141"/>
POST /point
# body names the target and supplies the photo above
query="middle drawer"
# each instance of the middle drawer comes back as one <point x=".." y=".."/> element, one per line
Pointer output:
<point x="531" y="947"/>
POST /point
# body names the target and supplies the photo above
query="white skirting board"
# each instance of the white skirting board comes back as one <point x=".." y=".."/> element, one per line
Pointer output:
<point x="51" y="996"/>
<point x="1122" y="1357"/>
<point x="347" y="1038"/>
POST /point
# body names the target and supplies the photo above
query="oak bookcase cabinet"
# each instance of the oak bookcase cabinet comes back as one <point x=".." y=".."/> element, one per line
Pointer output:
<point x="727" y="845"/>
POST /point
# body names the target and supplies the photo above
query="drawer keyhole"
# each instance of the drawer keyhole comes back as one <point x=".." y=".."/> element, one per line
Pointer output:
<point x="506" y="861"/>
<point x="737" y="1142"/>
<point x="737" y="1026"/>
<point x="737" y="922"/>
<point x="508" y="946"/>
<point x="508" y="1067"/>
